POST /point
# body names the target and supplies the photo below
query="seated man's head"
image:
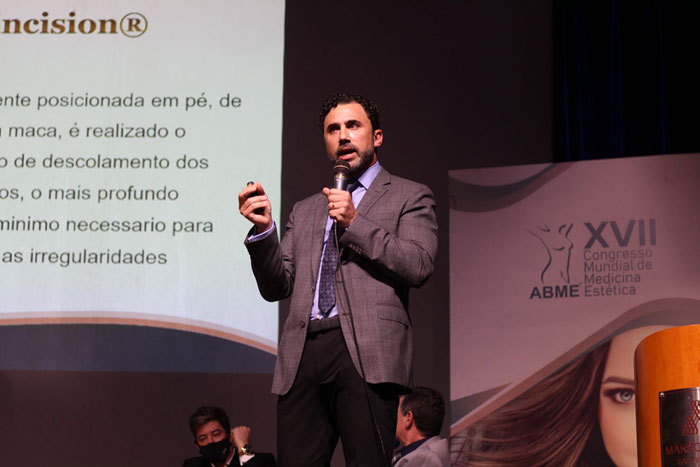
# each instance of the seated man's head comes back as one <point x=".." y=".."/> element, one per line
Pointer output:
<point x="212" y="433"/>
<point x="420" y="415"/>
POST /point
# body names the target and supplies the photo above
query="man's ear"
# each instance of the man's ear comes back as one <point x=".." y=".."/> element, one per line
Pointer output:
<point x="378" y="138"/>
<point x="408" y="423"/>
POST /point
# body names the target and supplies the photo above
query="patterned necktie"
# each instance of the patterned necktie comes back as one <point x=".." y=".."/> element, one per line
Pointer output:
<point x="326" y="292"/>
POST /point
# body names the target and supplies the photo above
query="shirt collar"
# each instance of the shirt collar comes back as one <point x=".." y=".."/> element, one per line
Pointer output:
<point x="369" y="175"/>
<point x="413" y="446"/>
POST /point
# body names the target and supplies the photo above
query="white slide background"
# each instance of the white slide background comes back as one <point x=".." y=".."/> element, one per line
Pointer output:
<point x="197" y="52"/>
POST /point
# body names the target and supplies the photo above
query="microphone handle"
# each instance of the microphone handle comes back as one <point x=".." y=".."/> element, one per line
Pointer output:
<point x="341" y="182"/>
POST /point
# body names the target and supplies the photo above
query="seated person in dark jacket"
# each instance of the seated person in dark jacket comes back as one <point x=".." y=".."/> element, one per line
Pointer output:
<point x="219" y="445"/>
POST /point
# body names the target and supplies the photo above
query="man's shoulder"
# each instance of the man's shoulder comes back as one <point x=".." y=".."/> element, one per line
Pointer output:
<point x="440" y="447"/>
<point x="438" y="444"/>
<point x="404" y="184"/>
<point x="433" y="453"/>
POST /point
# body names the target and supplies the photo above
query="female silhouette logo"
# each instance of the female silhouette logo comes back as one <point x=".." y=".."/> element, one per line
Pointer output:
<point x="558" y="246"/>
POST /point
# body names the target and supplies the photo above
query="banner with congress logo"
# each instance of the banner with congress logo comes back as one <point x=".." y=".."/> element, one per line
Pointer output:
<point x="557" y="272"/>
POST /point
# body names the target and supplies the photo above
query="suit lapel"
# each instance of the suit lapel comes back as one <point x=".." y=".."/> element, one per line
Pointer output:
<point x="376" y="190"/>
<point x="379" y="186"/>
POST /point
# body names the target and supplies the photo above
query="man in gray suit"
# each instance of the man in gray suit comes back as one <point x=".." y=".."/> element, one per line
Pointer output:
<point x="346" y="324"/>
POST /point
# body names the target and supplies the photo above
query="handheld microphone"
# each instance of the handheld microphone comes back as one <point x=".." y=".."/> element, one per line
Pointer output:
<point x="340" y="170"/>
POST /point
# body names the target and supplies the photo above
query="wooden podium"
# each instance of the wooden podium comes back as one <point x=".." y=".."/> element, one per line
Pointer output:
<point x="664" y="361"/>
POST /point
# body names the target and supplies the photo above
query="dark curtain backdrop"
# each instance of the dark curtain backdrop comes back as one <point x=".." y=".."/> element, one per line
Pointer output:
<point x="625" y="78"/>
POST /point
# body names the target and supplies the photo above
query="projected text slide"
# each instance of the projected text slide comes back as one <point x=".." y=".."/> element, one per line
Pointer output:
<point x="126" y="131"/>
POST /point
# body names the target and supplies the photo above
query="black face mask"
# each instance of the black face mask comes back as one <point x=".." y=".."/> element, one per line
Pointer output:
<point x="216" y="452"/>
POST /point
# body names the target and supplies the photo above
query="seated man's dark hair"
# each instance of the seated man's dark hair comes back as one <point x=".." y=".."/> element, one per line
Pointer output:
<point x="428" y="409"/>
<point x="208" y="414"/>
<point x="347" y="98"/>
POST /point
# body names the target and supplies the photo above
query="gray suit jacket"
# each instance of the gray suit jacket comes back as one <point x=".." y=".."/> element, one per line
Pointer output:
<point x="433" y="453"/>
<point x="389" y="247"/>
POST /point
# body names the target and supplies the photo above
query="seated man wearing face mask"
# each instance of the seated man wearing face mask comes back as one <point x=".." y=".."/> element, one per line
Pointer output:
<point x="219" y="445"/>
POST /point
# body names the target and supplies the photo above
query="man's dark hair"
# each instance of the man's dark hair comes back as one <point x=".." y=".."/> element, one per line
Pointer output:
<point x="428" y="409"/>
<point x="205" y="415"/>
<point x="347" y="98"/>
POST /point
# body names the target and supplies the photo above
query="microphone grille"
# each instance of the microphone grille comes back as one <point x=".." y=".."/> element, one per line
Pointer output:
<point x="342" y="167"/>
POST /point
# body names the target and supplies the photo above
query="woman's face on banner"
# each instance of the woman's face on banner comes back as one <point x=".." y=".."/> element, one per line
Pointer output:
<point x="616" y="412"/>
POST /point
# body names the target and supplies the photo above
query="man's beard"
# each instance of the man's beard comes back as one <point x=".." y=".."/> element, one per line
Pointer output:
<point x="359" y="164"/>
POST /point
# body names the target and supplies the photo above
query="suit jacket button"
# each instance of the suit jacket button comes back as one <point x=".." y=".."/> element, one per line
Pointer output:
<point x="302" y="324"/>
